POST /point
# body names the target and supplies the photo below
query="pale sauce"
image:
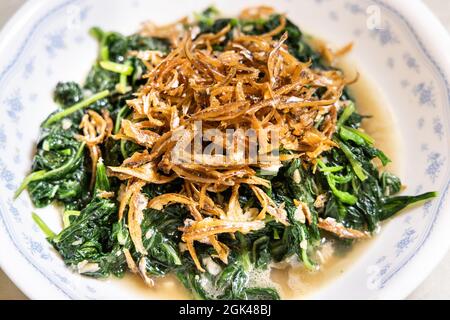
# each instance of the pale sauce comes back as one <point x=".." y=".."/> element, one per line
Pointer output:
<point x="165" y="288"/>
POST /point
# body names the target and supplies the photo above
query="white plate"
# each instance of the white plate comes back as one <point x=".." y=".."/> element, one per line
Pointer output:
<point x="47" y="41"/>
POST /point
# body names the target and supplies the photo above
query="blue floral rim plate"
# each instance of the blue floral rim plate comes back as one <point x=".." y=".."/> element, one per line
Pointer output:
<point x="406" y="57"/>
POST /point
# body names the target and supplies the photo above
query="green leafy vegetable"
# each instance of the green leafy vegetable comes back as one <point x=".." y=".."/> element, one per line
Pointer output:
<point x="43" y="226"/>
<point x="66" y="217"/>
<point x="391" y="206"/>
<point x="89" y="243"/>
<point x="345" y="183"/>
<point x="67" y="94"/>
<point x="101" y="178"/>
<point x="124" y="69"/>
<point x="56" y="173"/>
<point x="100" y="79"/>
<point x="81" y="105"/>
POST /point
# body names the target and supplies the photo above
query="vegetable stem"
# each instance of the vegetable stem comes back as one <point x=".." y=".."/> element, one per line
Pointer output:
<point x="304" y="253"/>
<point x="357" y="167"/>
<point x="345" y="197"/>
<point x="324" y="168"/>
<point x="66" y="217"/>
<point x="332" y="179"/>
<point x="173" y="254"/>
<point x="123" y="69"/>
<point x="123" y="149"/>
<point x="348" y="111"/>
<point x="81" y="105"/>
<point x="356" y="136"/>
<point x="44" y="175"/>
<point x="102" y="38"/>
<point x="101" y="178"/>
<point x="43" y="226"/>
<point x="119" y="118"/>
<point x="30" y="178"/>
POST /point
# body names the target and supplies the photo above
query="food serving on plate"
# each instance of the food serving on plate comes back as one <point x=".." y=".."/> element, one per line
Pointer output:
<point x="214" y="150"/>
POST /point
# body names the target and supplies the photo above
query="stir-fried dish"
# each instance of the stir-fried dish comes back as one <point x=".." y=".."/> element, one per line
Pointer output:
<point x="210" y="149"/>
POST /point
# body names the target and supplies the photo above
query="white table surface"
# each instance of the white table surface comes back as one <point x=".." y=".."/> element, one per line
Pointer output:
<point x="437" y="286"/>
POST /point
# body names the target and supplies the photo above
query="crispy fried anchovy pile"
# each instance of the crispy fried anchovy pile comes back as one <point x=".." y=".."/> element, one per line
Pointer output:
<point x="253" y="83"/>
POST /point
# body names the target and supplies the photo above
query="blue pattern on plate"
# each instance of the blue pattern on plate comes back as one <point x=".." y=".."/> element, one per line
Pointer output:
<point x="6" y="175"/>
<point x="385" y="35"/>
<point x="408" y="237"/>
<point x="29" y="68"/>
<point x="14" y="105"/>
<point x="2" y="138"/>
<point x="435" y="163"/>
<point x="425" y="93"/>
<point x="55" y="42"/>
<point x="411" y="62"/>
<point x="438" y="128"/>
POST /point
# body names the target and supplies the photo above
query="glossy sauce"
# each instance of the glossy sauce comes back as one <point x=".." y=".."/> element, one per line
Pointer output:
<point x="165" y="288"/>
<point x="295" y="282"/>
<point x="382" y="126"/>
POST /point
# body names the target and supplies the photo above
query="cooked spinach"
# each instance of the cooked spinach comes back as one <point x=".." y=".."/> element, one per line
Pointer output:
<point x="298" y="45"/>
<point x="58" y="171"/>
<point x="115" y="65"/>
<point x="67" y="94"/>
<point x="233" y="281"/>
<point x="115" y="46"/>
<point x="371" y="191"/>
<point x="161" y="238"/>
<point x="100" y="79"/>
<point x="90" y="241"/>
<point x="353" y="189"/>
